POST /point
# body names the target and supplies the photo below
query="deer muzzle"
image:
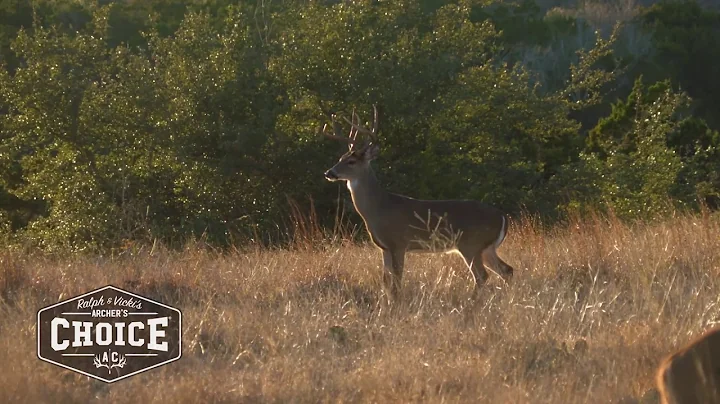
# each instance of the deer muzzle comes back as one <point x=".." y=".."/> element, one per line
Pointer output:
<point x="330" y="175"/>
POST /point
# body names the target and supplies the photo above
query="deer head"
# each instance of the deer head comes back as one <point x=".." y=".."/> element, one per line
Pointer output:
<point x="356" y="162"/>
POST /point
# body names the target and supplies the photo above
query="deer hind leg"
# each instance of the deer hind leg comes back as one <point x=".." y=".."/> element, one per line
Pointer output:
<point x="393" y="263"/>
<point x="474" y="262"/>
<point x="491" y="260"/>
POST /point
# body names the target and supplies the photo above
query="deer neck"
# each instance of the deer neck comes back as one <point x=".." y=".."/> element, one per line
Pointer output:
<point x="367" y="194"/>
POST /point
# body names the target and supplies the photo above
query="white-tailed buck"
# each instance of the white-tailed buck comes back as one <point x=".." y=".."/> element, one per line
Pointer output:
<point x="398" y="223"/>
<point x="692" y="374"/>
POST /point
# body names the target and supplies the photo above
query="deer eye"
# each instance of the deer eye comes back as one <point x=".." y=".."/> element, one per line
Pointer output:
<point x="351" y="162"/>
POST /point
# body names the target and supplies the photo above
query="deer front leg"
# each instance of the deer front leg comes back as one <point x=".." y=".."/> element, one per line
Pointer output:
<point x="393" y="262"/>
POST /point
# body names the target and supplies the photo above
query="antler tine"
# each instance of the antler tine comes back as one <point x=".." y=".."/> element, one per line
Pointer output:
<point x="375" y="123"/>
<point x="323" y="132"/>
<point x="337" y="128"/>
<point x="355" y="124"/>
<point x="355" y="128"/>
<point x="350" y="138"/>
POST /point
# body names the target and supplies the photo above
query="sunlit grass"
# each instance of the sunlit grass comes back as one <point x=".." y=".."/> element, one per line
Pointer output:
<point x="593" y="308"/>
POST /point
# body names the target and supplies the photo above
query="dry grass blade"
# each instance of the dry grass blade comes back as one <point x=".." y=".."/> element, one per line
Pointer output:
<point x="593" y="308"/>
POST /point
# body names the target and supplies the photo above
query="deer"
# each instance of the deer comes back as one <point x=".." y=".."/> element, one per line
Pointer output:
<point x="398" y="224"/>
<point x="692" y="373"/>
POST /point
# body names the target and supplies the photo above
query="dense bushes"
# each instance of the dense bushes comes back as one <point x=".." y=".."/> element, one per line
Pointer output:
<point x="205" y="125"/>
<point x="687" y="42"/>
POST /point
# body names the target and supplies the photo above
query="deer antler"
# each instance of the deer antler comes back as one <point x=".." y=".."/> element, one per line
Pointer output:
<point x="355" y="118"/>
<point x="355" y="125"/>
<point x="336" y="125"/>
<point x="355" y="128"/>
<point x="323" y="131"/>
<point x="350" y="138"/>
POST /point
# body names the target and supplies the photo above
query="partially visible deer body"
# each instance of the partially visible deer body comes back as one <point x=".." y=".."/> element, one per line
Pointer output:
<point x="692" y="374"/>
<point x="398" y="223"/>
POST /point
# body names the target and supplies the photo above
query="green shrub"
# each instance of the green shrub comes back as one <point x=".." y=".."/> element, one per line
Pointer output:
<point x="687" y="42"/>
<point x="205" y="126"/>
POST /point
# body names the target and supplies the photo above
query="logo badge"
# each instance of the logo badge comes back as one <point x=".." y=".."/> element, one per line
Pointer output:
<point x="109" y="334"/>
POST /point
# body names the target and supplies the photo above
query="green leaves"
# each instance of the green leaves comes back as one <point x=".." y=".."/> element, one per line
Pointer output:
<point x="122" y="144"/>
<point x="635" y="170"/>
<point x="594" y="70"/>
<point x="174" y="120"/>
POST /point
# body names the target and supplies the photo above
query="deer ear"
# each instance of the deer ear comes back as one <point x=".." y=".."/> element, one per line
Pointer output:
<point x="371" y="152"/>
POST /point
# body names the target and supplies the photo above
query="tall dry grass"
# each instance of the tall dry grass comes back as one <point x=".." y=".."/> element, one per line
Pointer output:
<point x="593" y="308"/>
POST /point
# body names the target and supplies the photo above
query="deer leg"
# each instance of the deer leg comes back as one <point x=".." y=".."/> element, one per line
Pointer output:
<point x="474" y="262"/>
<point x="393" y="262"/>
<point x="491" y="260"/>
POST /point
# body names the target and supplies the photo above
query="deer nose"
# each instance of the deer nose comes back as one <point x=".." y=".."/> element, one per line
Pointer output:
<point x="330" y="174"/>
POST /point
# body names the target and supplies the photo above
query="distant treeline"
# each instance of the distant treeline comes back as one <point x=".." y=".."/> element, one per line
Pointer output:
<point x="172" y="119"/>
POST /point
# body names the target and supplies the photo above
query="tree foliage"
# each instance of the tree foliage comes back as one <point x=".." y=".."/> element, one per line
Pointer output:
<point x="173" y="119"/>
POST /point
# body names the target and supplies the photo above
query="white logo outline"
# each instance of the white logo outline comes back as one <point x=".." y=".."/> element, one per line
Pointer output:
<point x="116" y="289"/>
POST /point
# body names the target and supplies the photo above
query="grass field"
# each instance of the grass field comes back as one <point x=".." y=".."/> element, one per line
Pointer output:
<point x="593" y="308"/>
